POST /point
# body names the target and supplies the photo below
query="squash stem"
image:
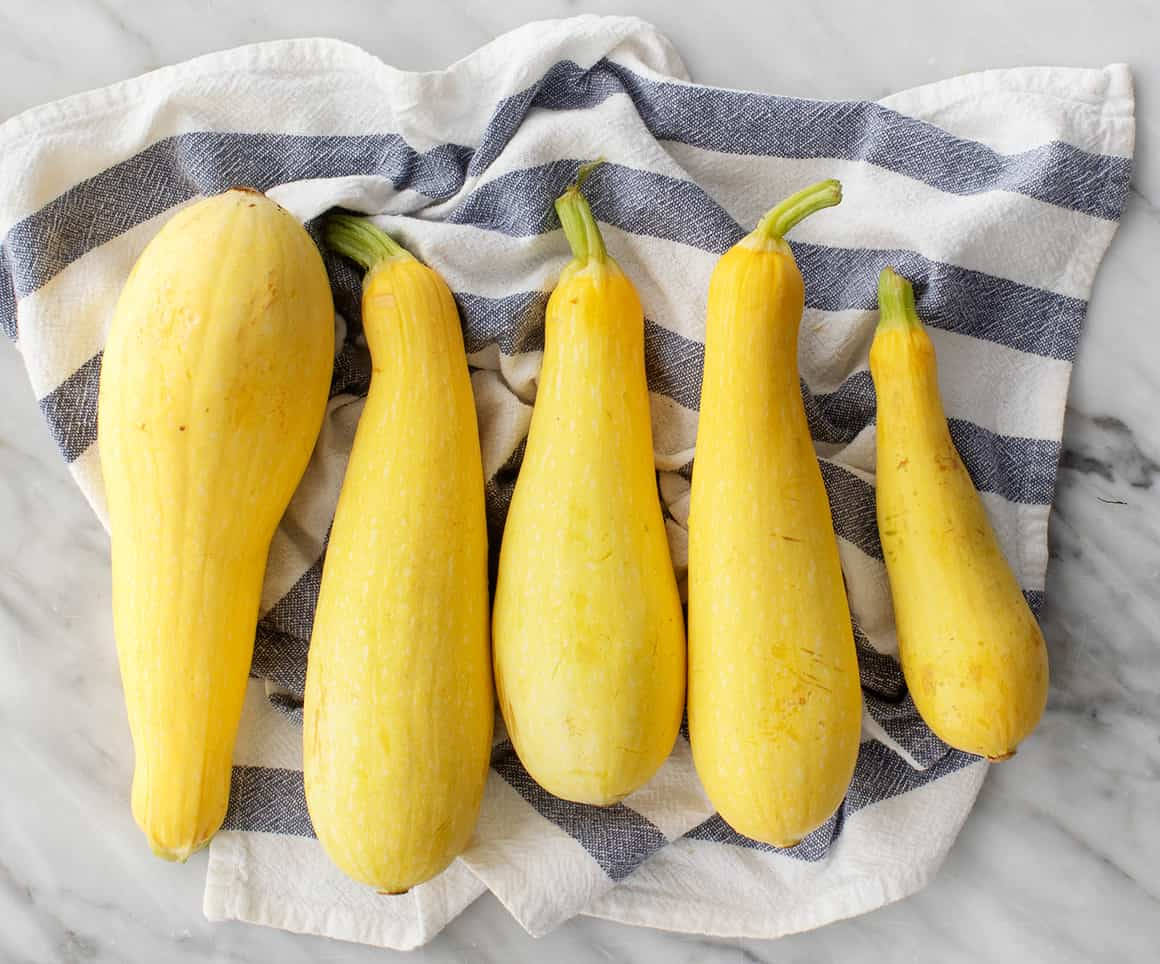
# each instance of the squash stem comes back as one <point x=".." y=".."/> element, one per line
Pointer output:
<point x="796" y="207"/>
<point x="580" y="226"/>
<point x="361" y="241"/>
<point x="896" y="302"/>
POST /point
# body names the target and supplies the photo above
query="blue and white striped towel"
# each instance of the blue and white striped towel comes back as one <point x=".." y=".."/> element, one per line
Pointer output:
<point x="997" y="192"/>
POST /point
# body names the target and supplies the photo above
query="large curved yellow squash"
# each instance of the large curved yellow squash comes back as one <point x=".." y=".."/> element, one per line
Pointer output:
<point x="972" y="652"/>
<point x="775" y="703"/>
<point x="399" y="702"/>
<point x="213" y="386"/>
<point x="587" y="626"/>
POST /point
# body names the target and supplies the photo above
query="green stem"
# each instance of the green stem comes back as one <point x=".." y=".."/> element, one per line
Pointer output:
<point x="580" y="226"/>
<point x="824" y="194"/>
<point x="896" y="301"/>
<point x="361" y="241"/>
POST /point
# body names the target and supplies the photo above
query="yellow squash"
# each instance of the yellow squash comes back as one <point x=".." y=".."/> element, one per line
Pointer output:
<point x="587" y="627"/>
<point x="972" y="652"/>
<point x="775" y="703"/>
<point x="399" y="705"/>
<point x="213" y="386"/>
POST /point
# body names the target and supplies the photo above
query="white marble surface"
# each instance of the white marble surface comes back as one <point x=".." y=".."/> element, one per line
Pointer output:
<point x="1060" y="860"/>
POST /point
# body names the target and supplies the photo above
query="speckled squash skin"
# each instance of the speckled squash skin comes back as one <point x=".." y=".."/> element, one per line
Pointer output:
<point x="587" y="625"/>
<point x="214" y="382"/>
<point x="972" y="651"/>
<point x="399" y="705"/>
<point x="775" y="703"/>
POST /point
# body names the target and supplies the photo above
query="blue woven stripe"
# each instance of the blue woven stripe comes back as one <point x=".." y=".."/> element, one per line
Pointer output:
<point x="879" y="774"/>
<point x="740" y="122"/>
<point x="617" y="837"/>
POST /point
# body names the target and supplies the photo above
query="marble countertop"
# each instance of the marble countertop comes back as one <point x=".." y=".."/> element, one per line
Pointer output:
<point x="1060" y="860"/>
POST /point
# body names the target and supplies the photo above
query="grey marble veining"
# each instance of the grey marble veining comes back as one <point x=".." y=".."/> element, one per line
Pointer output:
<point x="1060" y="861"/>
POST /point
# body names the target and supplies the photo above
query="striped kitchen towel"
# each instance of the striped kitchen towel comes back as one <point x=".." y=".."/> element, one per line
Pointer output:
<point x="998" y="193"/>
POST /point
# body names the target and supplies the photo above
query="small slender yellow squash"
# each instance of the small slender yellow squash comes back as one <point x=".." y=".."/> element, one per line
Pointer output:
<point x="399" y="703"/>
<point x="587" y="627"/>
<point x="972" y="651"/>
<point x="775" y="703"/>
<point x="213" y="387"/>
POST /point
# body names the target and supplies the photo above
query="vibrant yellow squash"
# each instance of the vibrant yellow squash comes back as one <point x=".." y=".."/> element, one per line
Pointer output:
<point x="213" y="386"/>
<point x="399" y="704"/>
<point x="587" y="627"/>
<point x="972" y="652"/>
<point x="775" y="703"/>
